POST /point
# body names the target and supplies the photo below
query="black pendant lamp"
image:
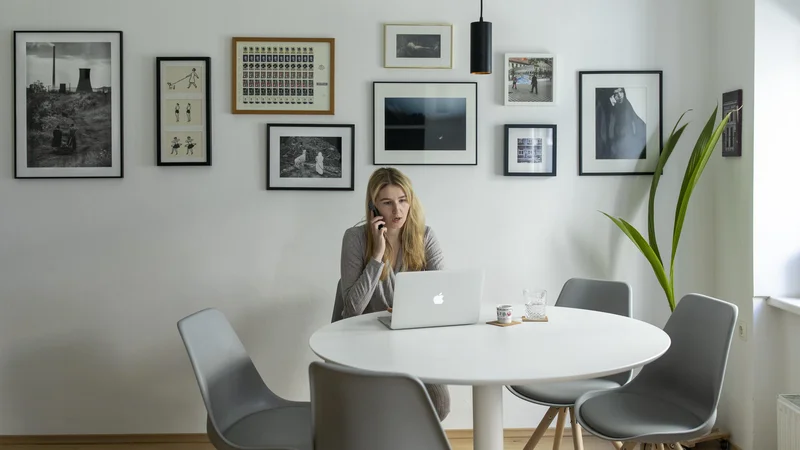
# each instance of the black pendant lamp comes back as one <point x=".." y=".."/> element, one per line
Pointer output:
<point x="480" y="52"/>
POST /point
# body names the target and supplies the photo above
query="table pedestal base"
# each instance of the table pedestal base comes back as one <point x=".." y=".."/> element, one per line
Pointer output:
<point x="487" y="417"/>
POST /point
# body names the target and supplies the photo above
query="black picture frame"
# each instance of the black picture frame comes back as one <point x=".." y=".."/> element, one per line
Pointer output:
<point x="89" y="105"/>
<point x="177" y="142"/>
<point x="732" y="134"/>
<point x="530" y="150"/>
<point x="609" y="153"/>
<point x="284" y="170"/>
<point x="456" y="134"/>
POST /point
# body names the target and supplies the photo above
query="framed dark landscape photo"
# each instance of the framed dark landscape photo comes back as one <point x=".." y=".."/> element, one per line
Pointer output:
<point x="283" y="75"/>
<point x="425" y="123"/>
<point x="530" y="150"/>
<point x="732" y="134"/>
<point x="68" y="104"/>
<point x="183" y="111"/>
<point x="619" y="121"/>
<point x="418" y="46"/>
<point x="529" y="79"/>
<point x="310" y="156"/>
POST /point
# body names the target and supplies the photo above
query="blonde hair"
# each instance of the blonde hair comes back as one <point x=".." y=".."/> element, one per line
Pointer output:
<point x="412" y="235"/>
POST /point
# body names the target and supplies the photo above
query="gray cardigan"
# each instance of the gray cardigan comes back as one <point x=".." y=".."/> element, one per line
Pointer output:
<point x="362" y="289"/>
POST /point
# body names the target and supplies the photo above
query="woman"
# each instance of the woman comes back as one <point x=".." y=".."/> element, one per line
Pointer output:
<point x="394" y="239"/>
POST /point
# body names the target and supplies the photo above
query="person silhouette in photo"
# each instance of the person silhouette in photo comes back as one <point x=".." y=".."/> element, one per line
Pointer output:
<point x="320" y="167"/>
<point x="620" y="132"/>
<point x="72" y="140"/>
<point x="177" y="112"/>
<point x="188" y="112"/>
<point x="57" y="137"/>
<point x="514" y="82"/>
<point x="190" y="145"/>
<point x="176" y="144"/>
<point x="534" y="83"/>
<point x="193" y="76"/>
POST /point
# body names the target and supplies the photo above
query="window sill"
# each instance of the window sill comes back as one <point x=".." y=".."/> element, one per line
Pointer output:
<point x="791" y="305"/>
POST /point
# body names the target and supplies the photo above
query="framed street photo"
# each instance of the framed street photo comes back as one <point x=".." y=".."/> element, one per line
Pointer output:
<point x="732" y="134"/>
<point x="418" y="46"/>
<point x="425" y="123"/>
<point x="283" y="75"/>
<point x="529" y="79"/>
<point x="619" y="120"/>
<point x="68" y="104"/>
<point x="310" y="156"/>
<point x="530" y="150"/>
<point x="183" y="111"/>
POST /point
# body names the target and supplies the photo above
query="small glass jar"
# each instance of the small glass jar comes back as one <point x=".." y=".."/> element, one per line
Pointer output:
<point x="535" y="303"/>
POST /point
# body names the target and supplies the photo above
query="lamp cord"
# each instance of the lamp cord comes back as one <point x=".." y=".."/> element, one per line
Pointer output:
<point x="481" y="10"/>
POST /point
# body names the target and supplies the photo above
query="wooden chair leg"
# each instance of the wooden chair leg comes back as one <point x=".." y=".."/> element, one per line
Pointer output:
<point x="629" y="445"/>
<point x="577" y="436"/>
<point x="617" y="445"/>
<point x="562" y="415"/>
<point x="660" y="446"/>
<point x="542" y="428"/>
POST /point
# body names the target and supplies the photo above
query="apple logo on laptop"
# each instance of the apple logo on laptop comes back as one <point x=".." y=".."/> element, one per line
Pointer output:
<point x="438" y="299"/>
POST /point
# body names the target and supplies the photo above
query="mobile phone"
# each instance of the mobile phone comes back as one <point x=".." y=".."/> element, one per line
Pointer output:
<point x="375" y="213"/>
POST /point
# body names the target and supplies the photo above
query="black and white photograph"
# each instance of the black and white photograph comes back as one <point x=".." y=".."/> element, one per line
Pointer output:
<point x="183" y="111"/>
<point x="310" y="156"/>
<point x="529" y="79"/>
<point x="68" y="104"/>
<point x="620" y="122"/>
<point x="421" y="123"/>
<point x="732" y="134"/>
<point x="418" y="46"/>
<point x="530" y="150"/>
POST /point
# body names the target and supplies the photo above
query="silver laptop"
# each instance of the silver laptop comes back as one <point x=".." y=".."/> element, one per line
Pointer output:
<point x="435" y="298"/>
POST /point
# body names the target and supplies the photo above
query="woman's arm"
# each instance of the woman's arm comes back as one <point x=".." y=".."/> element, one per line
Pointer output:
<point x="434" y="258"/>
<point x="358" y="281"/>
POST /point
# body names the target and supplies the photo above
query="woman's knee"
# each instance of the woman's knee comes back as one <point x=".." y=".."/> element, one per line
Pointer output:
<point x="440" y="397"/>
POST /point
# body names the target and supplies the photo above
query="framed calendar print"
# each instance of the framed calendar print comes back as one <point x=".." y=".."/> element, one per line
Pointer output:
<point x="283" y="75"/>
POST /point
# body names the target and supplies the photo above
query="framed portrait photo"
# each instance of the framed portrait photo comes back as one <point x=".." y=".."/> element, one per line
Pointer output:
<point x="425" y="123"/>
<point x="310" y="157"/>
<point x="418" y="46"/>
<point x="183" y="111"/>
<point x="283" y="75"/>
<point x="530" y="150"/>
<point x="619" y="121"/>
<point x="529" y="79"/>
<point x="68" y="104"/>
<point x="732" y="134"/>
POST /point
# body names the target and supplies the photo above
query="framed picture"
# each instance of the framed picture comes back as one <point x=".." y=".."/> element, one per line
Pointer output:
<point x="183" y="111"/>
<point x="68" y="104"/>
<point x="418" y="46"/>
<point x="530" y="150"/>
<point x="732" y="134"/>
<point x="310" y="156"/>
<point x="529" y="79"/>
<point x="425" y="123"/>
<point x="283" y="75"/>
<point x="619" y="120"/>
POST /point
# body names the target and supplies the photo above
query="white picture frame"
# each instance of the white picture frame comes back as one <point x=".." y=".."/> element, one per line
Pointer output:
<point x="531" y="79"/>
<point x="418" y="46"/>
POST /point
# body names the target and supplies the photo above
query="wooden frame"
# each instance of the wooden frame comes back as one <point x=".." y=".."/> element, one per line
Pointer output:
<point x="305" y="86"/>
<point x="439" y="56"/>
<point x="291" y="167"/>
<point x="183" y="92"/>
<point x="530" y="150"/>
<point x="629" y="97"/>
<point x="68" y="108"/>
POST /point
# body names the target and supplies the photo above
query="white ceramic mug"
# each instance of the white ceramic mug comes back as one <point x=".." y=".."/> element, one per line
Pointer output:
<point x="504" y="313"/>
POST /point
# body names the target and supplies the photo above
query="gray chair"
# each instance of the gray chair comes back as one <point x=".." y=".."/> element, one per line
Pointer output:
<point x="338" y="303"/>
<point x="360" y="410"/>
<point x="242" y="412"/>
<point x="598" y="295"/>
<point x="675" y="397"/>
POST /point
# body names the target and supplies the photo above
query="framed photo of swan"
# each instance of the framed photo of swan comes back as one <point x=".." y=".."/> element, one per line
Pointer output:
<point x="183" y="111"/>
<point x="619" y="120"/>
<point x="310" y="156"/>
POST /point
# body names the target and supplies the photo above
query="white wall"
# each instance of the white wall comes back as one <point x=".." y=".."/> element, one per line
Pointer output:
<point x="95" y="273"/>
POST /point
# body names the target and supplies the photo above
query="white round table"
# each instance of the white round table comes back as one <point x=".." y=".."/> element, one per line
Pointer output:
<point x="573" y="344"/>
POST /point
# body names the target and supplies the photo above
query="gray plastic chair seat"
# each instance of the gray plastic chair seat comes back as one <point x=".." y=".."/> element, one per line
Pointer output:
<point x="286" y="427"/>
<point x="563" y="393"/>
<point x="623" y="415"/>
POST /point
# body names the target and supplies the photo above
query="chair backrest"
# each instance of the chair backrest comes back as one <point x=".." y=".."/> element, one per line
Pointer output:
<point x="229" y="382"/>
<point x="607" y="296"/>
<point x="693" y="368"/>
<point x="358" y="410"/>
<point x="338" y="303"/>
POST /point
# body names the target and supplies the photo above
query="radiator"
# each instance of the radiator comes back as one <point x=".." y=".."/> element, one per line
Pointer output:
<point x="788" y="422"/>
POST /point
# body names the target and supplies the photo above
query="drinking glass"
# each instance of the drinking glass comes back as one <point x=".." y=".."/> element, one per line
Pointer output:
<point x="535" y="303"/>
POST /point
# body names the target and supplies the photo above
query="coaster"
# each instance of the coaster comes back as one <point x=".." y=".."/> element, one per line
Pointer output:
<point x="498" y="324"/>
<point x="525" y="319"/>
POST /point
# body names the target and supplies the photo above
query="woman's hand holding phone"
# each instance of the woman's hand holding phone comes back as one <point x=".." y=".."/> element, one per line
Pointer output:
<point x="378" y="232"/>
